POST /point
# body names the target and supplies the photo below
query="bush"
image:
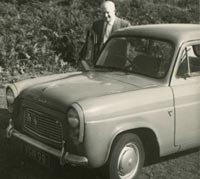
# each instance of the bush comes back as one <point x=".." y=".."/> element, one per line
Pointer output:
<point x="47" y="35"/>
<point x="38" y="35"/>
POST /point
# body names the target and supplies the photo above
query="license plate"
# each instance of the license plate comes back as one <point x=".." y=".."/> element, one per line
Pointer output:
<point x="33" y="153"/>
<point x="36" y="154"/>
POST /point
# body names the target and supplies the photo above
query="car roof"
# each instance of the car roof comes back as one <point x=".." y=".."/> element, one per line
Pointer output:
<point x="176" y="33"/>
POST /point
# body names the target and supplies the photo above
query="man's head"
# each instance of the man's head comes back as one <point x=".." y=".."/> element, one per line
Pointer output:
<point x="108" y="10"/>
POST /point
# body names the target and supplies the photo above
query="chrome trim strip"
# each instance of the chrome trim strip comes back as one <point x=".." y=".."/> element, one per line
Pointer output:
<point x="82" y="121"/>
<point x="13" y="88"/>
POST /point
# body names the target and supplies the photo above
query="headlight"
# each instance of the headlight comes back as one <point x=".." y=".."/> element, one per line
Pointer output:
<point x="75" y="120"/>
<point x="10" y="98"/>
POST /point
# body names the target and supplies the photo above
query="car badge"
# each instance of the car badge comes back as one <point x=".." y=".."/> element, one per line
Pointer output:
<point x="32" y="119"/>
<point x="28" y="118"/>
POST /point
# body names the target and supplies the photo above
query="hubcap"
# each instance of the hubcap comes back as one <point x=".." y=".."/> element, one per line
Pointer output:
<point x="128" y="161"/>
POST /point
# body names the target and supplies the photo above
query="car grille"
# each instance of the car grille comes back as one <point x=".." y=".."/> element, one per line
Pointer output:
<point x="43" y="125"/>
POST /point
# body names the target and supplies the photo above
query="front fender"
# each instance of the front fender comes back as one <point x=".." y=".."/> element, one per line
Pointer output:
<point x="99" y="136"/>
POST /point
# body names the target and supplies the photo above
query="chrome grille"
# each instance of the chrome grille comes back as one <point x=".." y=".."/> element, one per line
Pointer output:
<point x="42" y="125"/>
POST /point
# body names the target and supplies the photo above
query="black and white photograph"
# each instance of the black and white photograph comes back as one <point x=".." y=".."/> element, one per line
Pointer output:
<point x="99" y="89"/>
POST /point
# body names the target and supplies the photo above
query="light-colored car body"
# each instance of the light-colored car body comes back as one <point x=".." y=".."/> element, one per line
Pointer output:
<point x="164" y="112"/>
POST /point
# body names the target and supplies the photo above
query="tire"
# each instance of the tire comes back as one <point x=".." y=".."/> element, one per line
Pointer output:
<point x="126" y="158"/>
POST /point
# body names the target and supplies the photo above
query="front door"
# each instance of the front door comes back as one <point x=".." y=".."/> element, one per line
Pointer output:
<point x="186" y="88"/>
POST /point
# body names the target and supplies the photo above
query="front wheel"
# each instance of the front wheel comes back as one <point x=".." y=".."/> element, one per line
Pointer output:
<point x="126" y="158"/>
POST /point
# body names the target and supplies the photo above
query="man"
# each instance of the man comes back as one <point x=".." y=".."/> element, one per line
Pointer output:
<point x="110" y="23"/>
<point x="103" y="28"/>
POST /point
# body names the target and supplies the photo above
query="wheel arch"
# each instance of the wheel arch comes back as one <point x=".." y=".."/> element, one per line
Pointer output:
<point x="149" y="141"/>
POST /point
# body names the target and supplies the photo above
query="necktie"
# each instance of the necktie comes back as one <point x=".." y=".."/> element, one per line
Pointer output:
<point x="106" y="32"/>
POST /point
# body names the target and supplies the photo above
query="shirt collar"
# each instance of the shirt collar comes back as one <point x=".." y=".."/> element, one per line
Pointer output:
<point x="112" y="22"/>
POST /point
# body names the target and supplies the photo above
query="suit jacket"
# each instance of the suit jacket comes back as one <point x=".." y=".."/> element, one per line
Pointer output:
<point x="99" y="28"/>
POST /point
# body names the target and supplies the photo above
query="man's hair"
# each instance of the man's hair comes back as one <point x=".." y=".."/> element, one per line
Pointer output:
<point x="109" y="3"/>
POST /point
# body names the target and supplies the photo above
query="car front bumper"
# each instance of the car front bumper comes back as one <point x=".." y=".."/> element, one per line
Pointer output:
<point x="62" y="154"/>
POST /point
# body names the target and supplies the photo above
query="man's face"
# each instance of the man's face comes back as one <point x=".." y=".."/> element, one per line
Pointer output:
<point x="108" y="12"/>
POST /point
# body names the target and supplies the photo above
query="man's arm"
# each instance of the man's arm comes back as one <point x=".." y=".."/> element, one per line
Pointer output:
<point x="124" y="23"/>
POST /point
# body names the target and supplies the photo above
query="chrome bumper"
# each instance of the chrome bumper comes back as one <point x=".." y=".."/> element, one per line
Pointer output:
<point x="63" y="155"/>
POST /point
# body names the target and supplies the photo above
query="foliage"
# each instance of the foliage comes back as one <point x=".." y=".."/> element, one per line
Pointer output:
<point x="47" y="35"/>
<point x="39" y="36"/>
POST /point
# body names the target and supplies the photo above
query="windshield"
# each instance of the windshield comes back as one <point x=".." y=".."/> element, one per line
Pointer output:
<point x="145" y="56"/>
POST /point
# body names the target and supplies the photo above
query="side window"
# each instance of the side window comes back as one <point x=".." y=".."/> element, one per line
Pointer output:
<point x="190" y="62"/>
<point x="149" y="56"/>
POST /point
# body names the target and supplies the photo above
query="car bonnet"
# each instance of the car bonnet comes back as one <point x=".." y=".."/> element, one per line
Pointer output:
<point x="73" y="88"/>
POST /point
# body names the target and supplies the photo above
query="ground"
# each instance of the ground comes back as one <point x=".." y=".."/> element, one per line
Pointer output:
<point x="13" y="166"/>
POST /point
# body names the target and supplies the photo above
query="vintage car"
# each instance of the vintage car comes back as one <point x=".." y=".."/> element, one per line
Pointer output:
<point x="140" y="100"/>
